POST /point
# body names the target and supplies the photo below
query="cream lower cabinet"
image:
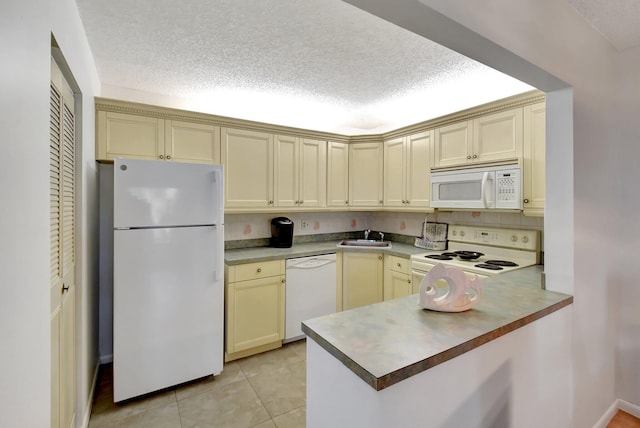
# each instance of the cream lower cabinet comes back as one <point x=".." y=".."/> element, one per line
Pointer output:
<point x="533" y="168"/>
<point x="407" y="171"/>
<point x="254" y="308"/>
<point x="300" y="172"/>
<point x="337" y="174"/>
<point x="362" y="278"/>
<point x="141" y="137"/>
<point x="397" y="277"/>
<point x="366" y="174"/>
<point x="490" y="138"/>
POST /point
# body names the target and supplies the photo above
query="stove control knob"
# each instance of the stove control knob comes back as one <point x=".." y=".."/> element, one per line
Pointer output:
<point x="462" y="233"/>
<point x="525" y="239"/>
<point x="454" y="232"/>
<point x="514" y="238"/>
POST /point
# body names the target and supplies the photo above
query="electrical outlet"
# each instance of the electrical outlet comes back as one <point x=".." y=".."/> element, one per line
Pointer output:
<point x="305" y="224"/>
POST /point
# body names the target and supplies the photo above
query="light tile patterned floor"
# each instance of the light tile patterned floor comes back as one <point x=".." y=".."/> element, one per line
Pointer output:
<point x="264" y="391"/>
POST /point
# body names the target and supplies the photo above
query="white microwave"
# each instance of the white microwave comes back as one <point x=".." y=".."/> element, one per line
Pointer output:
<point x="478" y="188"/>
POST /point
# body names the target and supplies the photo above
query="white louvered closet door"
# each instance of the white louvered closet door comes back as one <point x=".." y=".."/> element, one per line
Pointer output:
<point x="62" y="214"/>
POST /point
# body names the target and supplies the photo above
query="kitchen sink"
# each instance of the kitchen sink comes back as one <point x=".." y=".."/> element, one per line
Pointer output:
<point x="364" y="243"/>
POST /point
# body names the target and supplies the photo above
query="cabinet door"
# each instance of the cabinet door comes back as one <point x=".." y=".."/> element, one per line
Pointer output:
<point x="337" y="174"/>
<point x="396" y="284"/>
<point x="452" y="144"/>
<point x="255" y="313"/>
<point x="192" y="142"/>
<point x="129" y="136"/>
<point x="287" y="171"/>
<point x="533" y="169"/>
<point x="313" y="173"/>
<point x="247" y="157"/>
<point x="365" y="174"/>
<point x="498" y="137"/>
<point x="394" y="173"/>
<point x="418" y="169"/>
<point x="362" y="279"/>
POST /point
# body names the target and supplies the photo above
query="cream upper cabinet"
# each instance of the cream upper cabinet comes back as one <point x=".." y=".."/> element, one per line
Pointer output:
<point x="141" y="137"/>
<point x="498" y="137"/>
<point x="397" y="277"/>
<point x="487" y="139"/>
<point x="533" y="168"/>
<point x="366" y="174"/>
<point x="300" y="172"/>
<point x="362" y="278"/>
<point x="337" y="174"/>
<point x="452" y="144"/>
<point x="407" y="171"/>
<point x="395" y="172"/>
<point x="129" y="136"/>
<point x="191" y="142"/>
<point x="254" y="305"/>
<point x="247" y="157"/>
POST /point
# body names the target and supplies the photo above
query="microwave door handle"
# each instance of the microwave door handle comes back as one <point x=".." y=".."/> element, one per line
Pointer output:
<point x="483" y="189"/>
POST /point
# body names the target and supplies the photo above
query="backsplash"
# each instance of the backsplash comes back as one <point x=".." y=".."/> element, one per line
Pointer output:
<point x="257" y="227"/>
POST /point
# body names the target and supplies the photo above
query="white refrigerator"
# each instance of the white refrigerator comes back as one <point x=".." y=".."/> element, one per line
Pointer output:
<point x="168" y="274"/>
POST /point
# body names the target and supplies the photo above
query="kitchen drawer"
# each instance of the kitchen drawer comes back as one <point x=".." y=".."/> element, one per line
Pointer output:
<point x="256" y="270"/>
<point x="397" y="264"/>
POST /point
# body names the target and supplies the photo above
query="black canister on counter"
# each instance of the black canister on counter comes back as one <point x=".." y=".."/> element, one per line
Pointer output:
<point x="281" y="232"/>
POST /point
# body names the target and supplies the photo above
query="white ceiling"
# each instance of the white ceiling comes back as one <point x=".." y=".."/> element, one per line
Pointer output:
<point x="315" y="64"/>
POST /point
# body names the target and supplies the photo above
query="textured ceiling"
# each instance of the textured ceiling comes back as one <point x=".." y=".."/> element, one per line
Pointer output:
<point x="618" y="20"/>
<point x="317" y="64"/>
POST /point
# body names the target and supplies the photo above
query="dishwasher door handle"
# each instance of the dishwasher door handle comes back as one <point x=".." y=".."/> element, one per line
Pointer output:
<point x="310" y="264"/>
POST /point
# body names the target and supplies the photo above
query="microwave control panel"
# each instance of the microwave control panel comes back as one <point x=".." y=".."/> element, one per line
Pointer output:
<point x="508" y="187"/>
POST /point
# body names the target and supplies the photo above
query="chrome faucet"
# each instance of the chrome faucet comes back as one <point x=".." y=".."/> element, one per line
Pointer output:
<point x="381" y="236"/>
<point x="366" y="233"/>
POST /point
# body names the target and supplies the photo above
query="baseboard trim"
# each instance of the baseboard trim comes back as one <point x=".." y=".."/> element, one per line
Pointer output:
<point x="92" y="392"/>
<point x="618" y="404"/>
<point x="632" y="409"/>
<point x="105" y="359"/>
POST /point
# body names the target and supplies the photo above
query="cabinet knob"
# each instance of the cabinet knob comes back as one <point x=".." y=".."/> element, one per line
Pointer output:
<point x="398" y="264"/>
<point x="346" y="202"/>
<point x="526" y="201"/>
<point x="65" y="288"/>
<point x="283" y="280"/>
<point x="168" y="156"/>
<point x="379" y="257"/>
<point x="270" y="202"/>
<point x="475" y="156"/>
<point x="409" y="281"/>
<point x="380" y="202"/>
<point x="300" y="202"/>
<point x="259" y="270"/>
<point x="468" y="156"/>
<point x="161" y="157"/>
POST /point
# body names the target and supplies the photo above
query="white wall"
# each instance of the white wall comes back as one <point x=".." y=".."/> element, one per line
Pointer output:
<point x="626" y="204"/>
<point x="597" y="214"/>
<point x="25" y="28"/>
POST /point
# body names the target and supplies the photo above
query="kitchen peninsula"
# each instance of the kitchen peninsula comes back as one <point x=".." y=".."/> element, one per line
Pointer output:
<point x="395" y="364"/>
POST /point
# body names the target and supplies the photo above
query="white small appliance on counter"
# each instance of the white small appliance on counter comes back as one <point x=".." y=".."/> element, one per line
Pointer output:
<point x="498" y="187"/>
<point x="168" y="274"/>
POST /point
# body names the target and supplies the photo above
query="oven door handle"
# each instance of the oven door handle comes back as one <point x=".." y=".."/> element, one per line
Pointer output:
<point x="483" y="189"/>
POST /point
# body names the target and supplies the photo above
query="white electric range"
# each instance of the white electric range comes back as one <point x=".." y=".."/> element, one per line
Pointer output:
<point x="502" y="250"/>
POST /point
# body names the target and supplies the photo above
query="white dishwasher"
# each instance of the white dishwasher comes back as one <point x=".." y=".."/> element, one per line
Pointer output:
<point x="310" y="291"/>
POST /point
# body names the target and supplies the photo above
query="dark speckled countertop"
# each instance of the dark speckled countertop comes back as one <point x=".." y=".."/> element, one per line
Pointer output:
<point x="260" y="254"/>
<point x="388" y="342"/>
